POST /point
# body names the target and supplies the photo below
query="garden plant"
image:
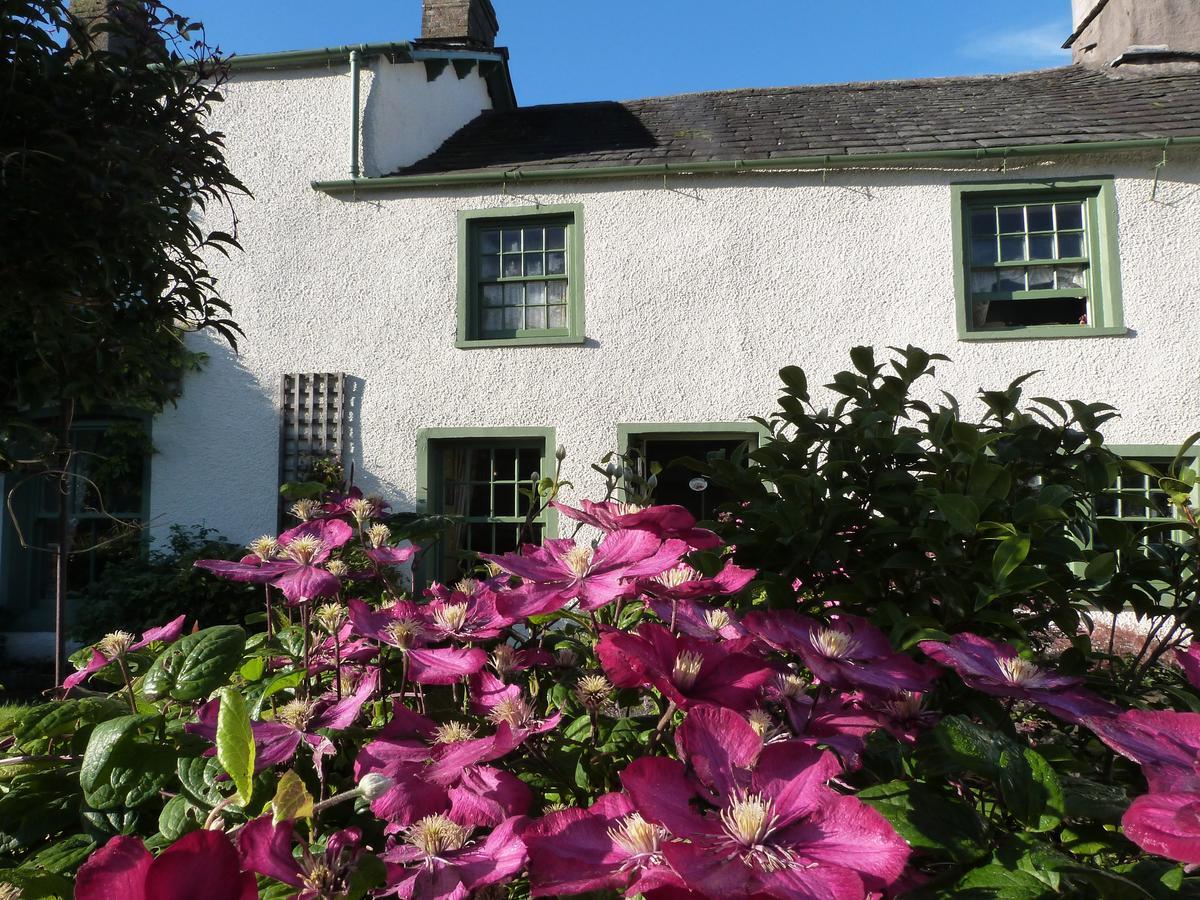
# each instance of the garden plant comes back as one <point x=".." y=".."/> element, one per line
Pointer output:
<point x="880" y="672"/>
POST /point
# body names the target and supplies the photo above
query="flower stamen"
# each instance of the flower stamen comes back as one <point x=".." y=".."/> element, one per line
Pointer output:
<point x="687" y="669"/>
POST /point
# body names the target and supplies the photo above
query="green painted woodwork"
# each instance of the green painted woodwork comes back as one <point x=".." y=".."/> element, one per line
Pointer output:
<point x="1133" y="498"/>
<point x="498" y="307"/>
<point x="431" y="444"/>
<point x="781" y="165"/>
<point x="629" y="432"/>
<point x="1029" y="278"/>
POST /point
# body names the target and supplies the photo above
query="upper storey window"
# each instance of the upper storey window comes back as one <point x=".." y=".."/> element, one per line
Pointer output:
<point x="521" y="276"/>
<point x="1037" y="260"/>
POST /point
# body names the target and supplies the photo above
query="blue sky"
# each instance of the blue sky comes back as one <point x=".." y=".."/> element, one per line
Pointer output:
<point x="567" y="50"/>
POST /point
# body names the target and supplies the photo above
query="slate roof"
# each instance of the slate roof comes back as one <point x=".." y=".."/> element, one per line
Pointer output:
<point x="1063" y="105"/>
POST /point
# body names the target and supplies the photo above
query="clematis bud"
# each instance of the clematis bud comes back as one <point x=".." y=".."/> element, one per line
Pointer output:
<point x="372" y="786"/>
<point x="560" y="452"/>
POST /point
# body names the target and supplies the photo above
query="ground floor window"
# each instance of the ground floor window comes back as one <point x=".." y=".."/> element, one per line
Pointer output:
<point x="106" y="494"/>
<point x="667" y="445"/>
<point x="478" y="479"/>
<point x="1136" y="497"/>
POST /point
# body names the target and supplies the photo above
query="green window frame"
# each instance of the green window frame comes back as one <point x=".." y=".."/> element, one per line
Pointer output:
<point x="1030" y="257"/>
<point x="520" y="276"/>
<point x="507" y="449"/>
<point x="632" y="437"/>
<point x="1134" y="499"/>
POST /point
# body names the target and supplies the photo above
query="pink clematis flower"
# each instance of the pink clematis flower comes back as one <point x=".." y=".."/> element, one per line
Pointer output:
<point x="465" y="617"/>
<point x="202" y="865"/>
<point x="699" y="621"/>
<point x="665" y="521"/>
<point x="298" y="574"/>
<point x="505" y="704"/>
<point x="1165" y="744"/>
<point x="848" y="654"/>
<point x="561" y="571"/>
<point x="606" y="847"/>
<point x="266" y="848"/>
<point x="438" y="860"/>
<point x="995" y="668"/>
<point x="685" y="670"/>
<point x="297" y="722"/>
<point x="835" y="721"/>
<point x="759" y="820"/>
<point x="1166" y="825"/>
<point x="404" y="626"/>
<point x="682" y="582"/>
<point x="165" y="633"/>
<point x="438" y="767"/>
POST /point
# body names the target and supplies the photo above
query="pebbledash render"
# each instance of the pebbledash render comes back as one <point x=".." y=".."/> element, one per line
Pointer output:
<point x="440" y="285"/>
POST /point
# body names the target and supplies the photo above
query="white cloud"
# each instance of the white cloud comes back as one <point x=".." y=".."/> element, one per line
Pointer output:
<point x="1040" y="44"/>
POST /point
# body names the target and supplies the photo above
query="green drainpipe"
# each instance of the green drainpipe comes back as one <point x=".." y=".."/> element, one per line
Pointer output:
<point x="355" y="65"/>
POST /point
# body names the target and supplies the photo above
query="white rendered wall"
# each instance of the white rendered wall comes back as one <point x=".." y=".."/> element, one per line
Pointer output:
<point x="697" y="292"/>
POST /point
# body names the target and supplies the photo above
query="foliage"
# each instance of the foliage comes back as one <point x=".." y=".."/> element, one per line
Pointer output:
<point x="139" y="592"/>
<point x="637" y="711"/>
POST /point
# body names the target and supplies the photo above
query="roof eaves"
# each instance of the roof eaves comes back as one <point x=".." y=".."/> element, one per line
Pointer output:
<point x="1087" y="20"/>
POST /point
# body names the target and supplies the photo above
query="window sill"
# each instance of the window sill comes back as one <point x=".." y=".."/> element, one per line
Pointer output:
<point x="1048" y="332"/>
<point x="525" y="341"/>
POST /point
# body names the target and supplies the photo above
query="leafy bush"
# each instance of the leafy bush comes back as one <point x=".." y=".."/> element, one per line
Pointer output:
<point x="873" y="709"/>
<point x="141" y="592"/>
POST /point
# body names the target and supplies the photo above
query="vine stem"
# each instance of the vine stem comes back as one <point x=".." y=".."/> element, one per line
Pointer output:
<point x="128" y="684"/>
<point x="662" y="723"/>
<point x="216" y="811"/>
<point x="36" y="758"/>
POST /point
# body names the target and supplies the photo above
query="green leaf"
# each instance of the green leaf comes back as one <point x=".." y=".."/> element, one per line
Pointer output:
<point x="235" y="742"/>
<point x="996" y="881"/>
<point x="1101" y="568"/>
<point x="966" y="746"/>
<point x="795" y="380"/>
<point x="292" y="799"/>
<point x="1083" y="799"/>
<point x="199" y="778"/>
<point x="64" y="857"/>
<point x="102" y="747"/>
<point x="961" y="512"/>
<point x="196" y="665"/>
<point x="37" y="883"/>
<point x="64" y="717"/>
<point x="863" y="359"/>
<point x="1031" y="789"/>
<point x="1009" y="554"/>
<point x="178" y="817"/>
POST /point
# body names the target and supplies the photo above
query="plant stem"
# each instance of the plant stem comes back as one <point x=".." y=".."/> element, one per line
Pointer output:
<point x="662" y="723"/>
<point x="36" y="758"/>
<point x="128" y="684"/>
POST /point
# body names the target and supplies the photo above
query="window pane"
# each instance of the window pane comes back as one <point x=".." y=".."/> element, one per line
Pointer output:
<point x="983" y="282"/>
<point x="1071" y="277"/>
<point x="513" y="316"/>
<point x="512" y="240"/>
<point x="481" y="465"/>
<point x="533" y="239"/>
<point x="558" y="317"/>
<point x="529" y="463"/>
<point x="493" y="319"/>
<point x="493" y="295"/>
<point x="506" y="501"/>
<point x="1070" y="215"/>
<point x="556" y="238"/>
<point x="983" y="252"/>
<point x="1041" y="278"/>
<point x="479" y="538"/>
<point x="535" y="293"/>
<point x="489" y="241"/>
<point x="1012" y="219"/>
<point x="1012" y="248"/>
<point x="556" y="263"/>
<point x="535" y="317"/>
<point x="506" y="462"/>
<point x="480" y="501"/>
<point x="512" y="265"/>
<point x="489" y="267"/>
<point x="983" y="222"/>
<point x="556" y="292"/>
<point x="1041" y="218"/>
<point x="514" y="294"/>
<point x="533" y="264"/>
<point x="1010" y="280"/>
<point x="1012" y="313"/>
<point x="1041" y="246"/>
<point x="1070" y="245"/>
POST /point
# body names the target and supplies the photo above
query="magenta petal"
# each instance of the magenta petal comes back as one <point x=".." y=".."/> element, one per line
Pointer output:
<point x="411" y="798"/>
<point x="307" y="583"/>
<point x="236" y="571"/>
<point x="166" y="633"/>
<point x="333" y="533"/>
<point x="570" y="852"/>
<point x="445" y="665"/>
<point x="117" y="871"/>
<point x="500" y="857"/>
<point x="202" y="865"/>
<point x="487" y="796"/>
<point x="715" y="741"/>
<point x="343" y="713"/>
<point x="274" y="743"/>
<point x="406" y="724"/>
<point x="847" y="833"/>
<point x="660" y="790"/>
<point x="95" y="664"/>
<point x="266" y="848"/>
<point x="1189" y="659"/>
<point x="1166" y="825"/>
<point x="794" y="777"/>
<point x="391" y="556"/>
<point x="715" y="873"/>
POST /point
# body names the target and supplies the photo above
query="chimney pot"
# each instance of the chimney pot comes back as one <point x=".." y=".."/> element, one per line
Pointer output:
<point x="470" y="23"/>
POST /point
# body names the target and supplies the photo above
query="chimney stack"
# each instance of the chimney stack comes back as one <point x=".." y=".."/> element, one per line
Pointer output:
<point x="1136" y="36"/>
<point x="130" y="14"/>
<point x="464" y="23"/>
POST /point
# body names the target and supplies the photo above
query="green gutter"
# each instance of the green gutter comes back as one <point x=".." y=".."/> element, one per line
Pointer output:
<point x="832" y="161"/>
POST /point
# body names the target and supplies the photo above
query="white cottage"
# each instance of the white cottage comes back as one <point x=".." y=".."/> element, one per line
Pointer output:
<point x="440" y="285"/>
